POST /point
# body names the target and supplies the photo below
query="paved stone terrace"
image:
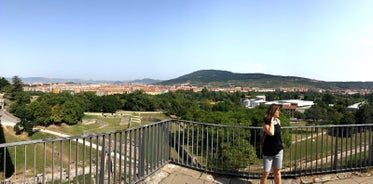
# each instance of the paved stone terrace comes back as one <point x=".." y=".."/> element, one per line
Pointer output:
<point x="174" y="174"/>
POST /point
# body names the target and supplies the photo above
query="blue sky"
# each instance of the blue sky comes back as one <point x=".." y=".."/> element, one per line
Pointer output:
<point x="330" y="40"/>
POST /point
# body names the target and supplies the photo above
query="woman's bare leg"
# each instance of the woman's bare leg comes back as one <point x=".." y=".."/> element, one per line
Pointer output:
<point x="277" y="173"/>
<point x="263" y="180"/>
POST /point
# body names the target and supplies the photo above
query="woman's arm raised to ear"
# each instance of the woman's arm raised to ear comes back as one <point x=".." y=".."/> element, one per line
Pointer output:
<point x="269" y="129"/>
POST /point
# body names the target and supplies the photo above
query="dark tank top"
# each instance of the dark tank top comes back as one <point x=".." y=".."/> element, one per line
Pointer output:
<point x="273" y="144"/>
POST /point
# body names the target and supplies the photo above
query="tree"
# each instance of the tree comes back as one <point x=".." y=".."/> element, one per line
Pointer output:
<point x="225" y="106"/>
<point x="56" y="114"/>
<point x="299" y="115"/>
<point x="110" y="103"/>
<point x="312" y="96"/>
<point x="195" y="114"/>
<point x="315" y="113"/>
<point x="370" y="98"/>
<point x="22" y="112"/>
<point x="205" y="93"/>
<point x="176" y="103"/>
<point x="28" y="126"/>
<point x="328" y="98"/>
<point x="333" y="115"/>
<point x="53" y="99"/>
<point x="347" y="119"/>
<point x="41" y="112"/>
<point x="3" y="83"/>
<point x="91" y="101"/>
<point x="364" y="114"/>
<point x="20" y="99"/>
<point x="72" y="112"/>
<point x="17" y="129"/>
<point x="237" y="154"/>
<point x="257" y="115"/>
<point x="139" y="101"/>
<point x="17" y="85"/>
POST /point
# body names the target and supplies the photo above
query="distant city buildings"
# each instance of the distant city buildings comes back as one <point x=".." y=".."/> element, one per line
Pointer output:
<point x="290" y="106"/>
<point x="109" y="89"/>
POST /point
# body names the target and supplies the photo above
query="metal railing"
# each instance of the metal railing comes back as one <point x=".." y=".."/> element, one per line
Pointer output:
<point x="123" y="156"/>
<point x="128" y="156"/>
<point x="235" y="150"/>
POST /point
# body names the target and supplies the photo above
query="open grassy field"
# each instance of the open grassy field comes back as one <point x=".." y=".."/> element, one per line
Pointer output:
<point x="108" y="124"/>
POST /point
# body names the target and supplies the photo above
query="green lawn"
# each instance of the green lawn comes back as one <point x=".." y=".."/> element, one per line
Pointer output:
<point x="110" y="124"/>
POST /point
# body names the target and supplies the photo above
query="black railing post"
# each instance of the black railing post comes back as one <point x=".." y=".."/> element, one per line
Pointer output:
<point x="336" y="150"/>
<point x="142" y="152"/>
<point x="102" y="165"/>
<point x="370" y="147"/>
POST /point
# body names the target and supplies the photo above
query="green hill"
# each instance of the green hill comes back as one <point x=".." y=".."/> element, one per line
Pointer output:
<point x="219" y="78"/>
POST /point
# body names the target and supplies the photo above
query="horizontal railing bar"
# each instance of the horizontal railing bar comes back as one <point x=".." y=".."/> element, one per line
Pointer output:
<point x="218" y="125"/>
<point x="327" y="126"/>
<point x="258" y="127"/>
<point x="164" y="121"/>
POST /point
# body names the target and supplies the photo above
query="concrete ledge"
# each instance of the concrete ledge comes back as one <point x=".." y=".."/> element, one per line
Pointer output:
<point x="171" y="174"/>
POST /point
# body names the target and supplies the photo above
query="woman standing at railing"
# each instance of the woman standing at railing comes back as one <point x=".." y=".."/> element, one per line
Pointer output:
<point x="272" y="146"/>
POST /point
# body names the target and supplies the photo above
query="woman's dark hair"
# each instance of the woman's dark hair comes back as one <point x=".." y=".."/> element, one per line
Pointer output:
<point x="270" y="113"/>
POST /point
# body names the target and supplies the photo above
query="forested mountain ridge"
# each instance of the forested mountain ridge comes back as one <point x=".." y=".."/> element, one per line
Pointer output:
<point x="220" y="78"/>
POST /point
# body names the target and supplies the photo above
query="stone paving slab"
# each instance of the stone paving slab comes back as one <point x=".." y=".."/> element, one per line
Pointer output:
<point x="174" y="174"/>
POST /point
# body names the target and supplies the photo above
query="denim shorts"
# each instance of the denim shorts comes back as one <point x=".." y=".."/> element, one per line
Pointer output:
<point x="272" y="162"/>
